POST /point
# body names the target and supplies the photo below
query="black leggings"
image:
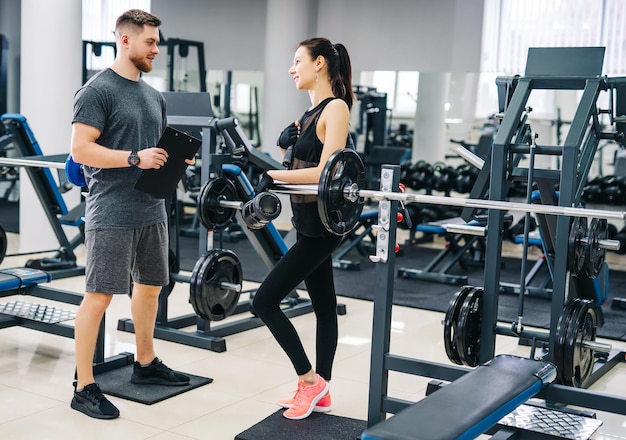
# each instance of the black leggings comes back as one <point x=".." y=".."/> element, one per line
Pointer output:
<point x="308" y="260"/>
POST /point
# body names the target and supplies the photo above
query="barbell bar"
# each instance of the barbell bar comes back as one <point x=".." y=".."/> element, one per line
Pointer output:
<point x="340" y="196"/>
<point x="222" y="284"/>
<point x="26" y="162"/>
<point x="353" y="193"/>
<point x="594" y="345"/>
<point x="230" y="204"/>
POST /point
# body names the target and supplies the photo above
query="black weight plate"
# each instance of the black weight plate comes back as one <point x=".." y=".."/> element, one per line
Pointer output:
<point x="561" y="336"/>
<point x="339" y="214"/>
<point x="584" y="357"/>
<point x="3" y="243"/>
<point x="195" y="285"/>
<point x="450" y="323"/>
<point x="210" y="299"/>
<point x="576" y="247"/>
<point x="213" y="216"/>
<point x="200" y="209"/>
<point x="173" y="267"/>
<point x="469" y="328"/>
<point x="595" y="255"/>
<point x="578" y="360"/>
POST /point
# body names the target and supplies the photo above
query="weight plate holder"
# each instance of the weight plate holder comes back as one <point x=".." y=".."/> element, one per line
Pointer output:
<point x="343" y="170"/>
<point x="576" y="245"/>
<point x="215" y="284"/>
<point x="594" y="254"/>
<point x="211" y="214"/>
<point x="450" y="324"/>
<point x="469" y="328"/>
<point x="575" y="365"/>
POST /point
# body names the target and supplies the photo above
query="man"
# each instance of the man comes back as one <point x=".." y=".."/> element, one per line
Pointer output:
<point x="118" y="119"/>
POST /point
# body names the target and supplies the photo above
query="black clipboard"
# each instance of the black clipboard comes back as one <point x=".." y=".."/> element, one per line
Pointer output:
<point x="162" y="182"/>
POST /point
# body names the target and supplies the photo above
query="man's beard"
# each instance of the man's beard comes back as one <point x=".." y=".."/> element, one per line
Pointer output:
<point x="142" y="64"/>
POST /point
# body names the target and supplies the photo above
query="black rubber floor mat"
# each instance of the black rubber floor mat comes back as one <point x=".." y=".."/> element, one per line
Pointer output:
<point x="117" y="383"/>
<point x="315" y="427"/>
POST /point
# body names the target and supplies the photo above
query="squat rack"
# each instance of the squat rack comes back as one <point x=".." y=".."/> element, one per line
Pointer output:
<point x="553" y="68"/>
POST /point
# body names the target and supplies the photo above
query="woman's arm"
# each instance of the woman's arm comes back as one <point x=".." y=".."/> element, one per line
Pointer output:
<point x="332" y="129"/>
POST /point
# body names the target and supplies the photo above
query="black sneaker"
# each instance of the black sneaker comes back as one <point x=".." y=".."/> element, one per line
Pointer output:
<point x="157" y="373"/>
<point x="92" y="402"/>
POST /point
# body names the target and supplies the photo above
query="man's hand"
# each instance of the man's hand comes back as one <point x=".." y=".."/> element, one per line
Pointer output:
<point x="152" y="158"/>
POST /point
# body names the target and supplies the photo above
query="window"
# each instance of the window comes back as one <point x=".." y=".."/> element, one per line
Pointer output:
<point x="99" y="25"/>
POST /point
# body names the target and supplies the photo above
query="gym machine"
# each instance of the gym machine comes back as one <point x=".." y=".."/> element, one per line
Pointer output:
<point x="31" y="279"/>
<point x="340" y="200"/>
<point x="215" y="283"/>
<point x="571" y="344"/>
<point x="174" y="47"/>
<point x="180" y="47"/>
<point x="372" y="126"/>
<point x="94" y="48"/>
<point x="28" y="153"/>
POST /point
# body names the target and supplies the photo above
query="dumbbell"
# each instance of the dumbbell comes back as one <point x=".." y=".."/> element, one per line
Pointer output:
<point x="446" y="180"/>
<point x="261" y="210"/>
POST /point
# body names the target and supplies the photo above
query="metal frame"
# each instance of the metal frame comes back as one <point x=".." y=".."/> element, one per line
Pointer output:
<point x="37" y="168"/>
<point x="500" y="168"/>
<point x="207" y="335"/>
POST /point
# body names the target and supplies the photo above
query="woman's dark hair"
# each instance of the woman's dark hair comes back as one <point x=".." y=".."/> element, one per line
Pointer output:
<point x="338" y="62"/>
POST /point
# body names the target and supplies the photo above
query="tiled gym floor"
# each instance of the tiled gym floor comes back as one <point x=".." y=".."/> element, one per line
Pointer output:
<point x="36" y="372"/>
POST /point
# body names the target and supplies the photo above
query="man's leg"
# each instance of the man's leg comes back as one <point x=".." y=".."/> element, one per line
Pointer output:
<point x="149" y="369"/>
<point x="88" y="397"/>
<point x="144" y="307"/>
<point x="87" y="325"/>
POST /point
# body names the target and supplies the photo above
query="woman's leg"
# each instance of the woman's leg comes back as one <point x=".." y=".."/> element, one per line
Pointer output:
<point x="296" y="265"/>
<point x="321" y="287"/>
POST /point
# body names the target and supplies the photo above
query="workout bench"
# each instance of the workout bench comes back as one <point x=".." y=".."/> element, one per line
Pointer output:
<point x="470" y="405"/>
<point x="45" y="318"/>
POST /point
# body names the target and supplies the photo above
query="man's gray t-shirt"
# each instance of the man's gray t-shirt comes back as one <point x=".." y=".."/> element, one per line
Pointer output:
<point x="130" y="116"/>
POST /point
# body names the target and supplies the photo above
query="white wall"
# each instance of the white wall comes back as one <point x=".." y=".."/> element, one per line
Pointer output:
<point x="233" y="31"/>
<point x="422" y="35"/>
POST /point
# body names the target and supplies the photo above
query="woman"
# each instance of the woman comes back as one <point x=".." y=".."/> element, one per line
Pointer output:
<point x="322" y="69"/>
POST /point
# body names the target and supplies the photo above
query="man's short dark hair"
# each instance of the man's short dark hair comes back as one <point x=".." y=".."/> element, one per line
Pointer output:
<point x="136" y="19"/>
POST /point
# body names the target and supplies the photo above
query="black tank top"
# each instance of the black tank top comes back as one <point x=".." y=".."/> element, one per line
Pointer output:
<point x="307" y="152"/>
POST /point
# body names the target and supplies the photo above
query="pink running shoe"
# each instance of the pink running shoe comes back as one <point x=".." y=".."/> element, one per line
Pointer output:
<point x="306" y="398"/>
<point x="324" y="405"/>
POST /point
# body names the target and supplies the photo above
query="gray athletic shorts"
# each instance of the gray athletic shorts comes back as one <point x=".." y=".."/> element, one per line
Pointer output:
<point x="114" y="255"/>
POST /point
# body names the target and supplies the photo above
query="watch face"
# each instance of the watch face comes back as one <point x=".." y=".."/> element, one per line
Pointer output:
<point x="133" y="159"/>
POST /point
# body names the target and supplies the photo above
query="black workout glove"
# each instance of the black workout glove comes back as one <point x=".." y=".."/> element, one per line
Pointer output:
<point x="288" y="137"/>
<point x="288" y="157"/>
<point x="265" y="182"/>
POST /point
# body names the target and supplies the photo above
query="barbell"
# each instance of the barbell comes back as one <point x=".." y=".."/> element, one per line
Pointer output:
<point x="217" y="206"/>
<point x="340" y="197"/>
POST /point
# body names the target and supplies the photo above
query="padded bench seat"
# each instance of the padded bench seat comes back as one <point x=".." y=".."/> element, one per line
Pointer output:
<point x="20" y="277"/>
<point x="470" y="405"/>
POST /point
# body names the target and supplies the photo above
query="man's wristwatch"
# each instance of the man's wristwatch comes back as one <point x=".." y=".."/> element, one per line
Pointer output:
<point x="133" y="159"/>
